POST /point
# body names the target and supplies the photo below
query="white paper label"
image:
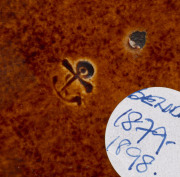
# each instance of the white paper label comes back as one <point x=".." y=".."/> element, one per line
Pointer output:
<point x="143" y="134"/>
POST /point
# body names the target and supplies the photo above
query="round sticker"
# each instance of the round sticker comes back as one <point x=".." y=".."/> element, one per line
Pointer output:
<point x="143" y="134"/>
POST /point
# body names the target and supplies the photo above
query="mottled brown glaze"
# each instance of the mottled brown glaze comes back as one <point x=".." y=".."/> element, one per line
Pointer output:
<point x="41" y="135"/>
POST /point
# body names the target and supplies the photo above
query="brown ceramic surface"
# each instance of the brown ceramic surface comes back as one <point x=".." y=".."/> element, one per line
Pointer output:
<point x="44" y="135"/>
